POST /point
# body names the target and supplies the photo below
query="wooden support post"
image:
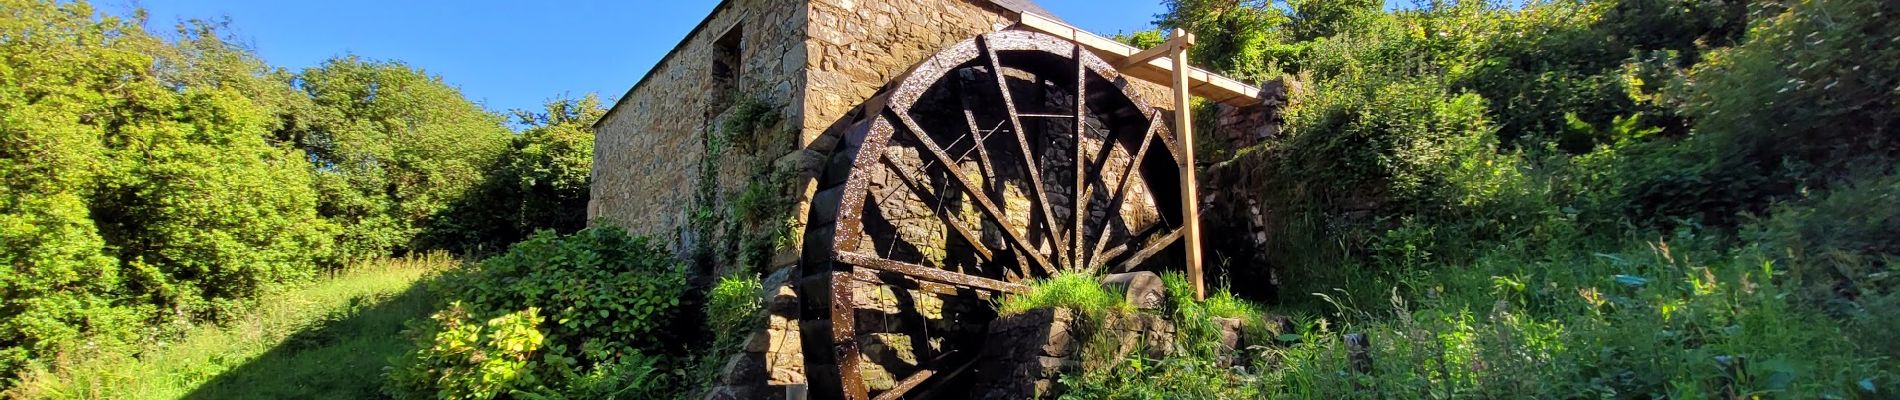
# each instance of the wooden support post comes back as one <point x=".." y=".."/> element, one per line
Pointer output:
<point x="1184" y="134"/>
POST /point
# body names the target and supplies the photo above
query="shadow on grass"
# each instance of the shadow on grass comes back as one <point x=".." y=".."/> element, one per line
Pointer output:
<point x="339" y="357"/>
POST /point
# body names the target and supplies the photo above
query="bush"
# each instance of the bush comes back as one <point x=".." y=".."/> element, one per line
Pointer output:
<point x="609" y="299"/>
<point x="732" y="311"/>
<point x="541" y="182"/>
<point x="137" y="184"/>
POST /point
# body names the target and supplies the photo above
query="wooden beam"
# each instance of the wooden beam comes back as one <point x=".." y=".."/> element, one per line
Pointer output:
<point x="1158" y="70"/>
<point x="1164" y="48"/>
<point x="927" y="273"/>
<point x="1184" y="133"/>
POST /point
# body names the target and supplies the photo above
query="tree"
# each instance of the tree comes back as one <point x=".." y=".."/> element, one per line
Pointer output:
<point x="541" y="183"/>
<point x="1235" y="36"/>
<point x="135" y="177"/>
<point x="393" y="147"/>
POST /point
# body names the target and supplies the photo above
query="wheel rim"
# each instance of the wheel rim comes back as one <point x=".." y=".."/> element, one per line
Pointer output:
<point x="1006" y="157"/>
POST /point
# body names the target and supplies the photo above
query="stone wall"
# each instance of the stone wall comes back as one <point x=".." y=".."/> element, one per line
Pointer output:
<point x="649" y="148"/>
<point x="1028" y="352"/>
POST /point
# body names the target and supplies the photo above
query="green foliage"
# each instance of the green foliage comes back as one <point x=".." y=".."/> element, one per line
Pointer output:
<point x="326" y="339"/>
<point x="541" y="182"/>
<point x="469" y="359"/>
<point x="1072" y="290"/>
<point x="137" y="178"/>
<point x="1239" y="37"/>
<point x="1314" y="19"/>
<point x="636" y="376"/>
<point x="732" y="309"/>
<point x="1193" y="372"/>
<point x="1501" y="176"/>
<point x="393" y="147"/>
<point x="745" y="125"/>
<point x="607" y="296"/>
<point x="1146" y="39"/>
<point x="739" y="232"/>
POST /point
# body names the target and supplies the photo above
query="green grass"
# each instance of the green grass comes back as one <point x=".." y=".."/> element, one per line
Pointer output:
<point x="326" y="340"/>
<point x="1070" y="290"/>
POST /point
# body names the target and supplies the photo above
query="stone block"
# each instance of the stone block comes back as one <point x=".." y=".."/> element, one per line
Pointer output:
<point x="1143" y="289"/>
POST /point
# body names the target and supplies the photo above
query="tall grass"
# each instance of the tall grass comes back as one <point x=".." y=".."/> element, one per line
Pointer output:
<point x="1071" y="290"/>
<point x="328" y="339"/>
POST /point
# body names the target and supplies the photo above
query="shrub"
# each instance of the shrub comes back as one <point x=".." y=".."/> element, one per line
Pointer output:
<point x="732" y="310"/>
<point x="608" y="297"/>
<point x="137" y="184"/>
<point x="540" y="182"/>
<point x="471" y="359"/>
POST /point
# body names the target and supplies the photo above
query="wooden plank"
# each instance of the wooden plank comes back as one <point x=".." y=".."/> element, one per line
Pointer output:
<point x="1184" y="133"/>
<point x="1165" y="48"/>
<point x="929" y="274"/>
<point x="1159" y="70"/>
<point x="872" y="277"/>
<point x="1078" y="205"/>
<point x="844" y="336"/>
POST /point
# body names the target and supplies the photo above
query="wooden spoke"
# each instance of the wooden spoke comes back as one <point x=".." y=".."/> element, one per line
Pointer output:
<point x="1022" y="143"/>
<point x="1154" y="246"/>
<point x="1119" y="196"/>
<point x="923" y="191"/>
<point x="928" y="273"/>
<point x="975" y="190"/>
<point x="967" y="97"/>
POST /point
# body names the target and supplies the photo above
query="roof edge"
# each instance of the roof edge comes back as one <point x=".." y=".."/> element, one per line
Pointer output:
<point x="722" y="6"/>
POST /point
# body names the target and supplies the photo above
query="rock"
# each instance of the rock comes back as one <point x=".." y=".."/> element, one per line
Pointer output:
<point x="1143" y="289"/>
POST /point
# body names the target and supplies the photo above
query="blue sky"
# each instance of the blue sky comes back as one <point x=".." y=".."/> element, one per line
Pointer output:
<point x="507" y="54"/>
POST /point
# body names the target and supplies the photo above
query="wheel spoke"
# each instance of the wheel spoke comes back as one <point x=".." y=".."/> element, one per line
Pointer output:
<point x="917" y="186"/>
<point x="967" y="98"/>
<point x="928" y="273"/>
<point x="1022" y="143"/>
<point x="1118" y="198"/>
<point x="1155" y="244"/>
<point x="983" y="203"/>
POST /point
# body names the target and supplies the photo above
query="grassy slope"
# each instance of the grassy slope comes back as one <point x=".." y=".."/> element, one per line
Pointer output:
<point x="329" y="339"/>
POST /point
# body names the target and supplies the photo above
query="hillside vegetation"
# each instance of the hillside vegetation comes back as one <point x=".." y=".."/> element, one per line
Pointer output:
<point x="154" y="181"/>
<point x="1562" y="199"/>
<point x="329" y="339"/>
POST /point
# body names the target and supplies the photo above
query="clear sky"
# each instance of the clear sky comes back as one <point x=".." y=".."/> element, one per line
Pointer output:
<point x="507" y="54"/>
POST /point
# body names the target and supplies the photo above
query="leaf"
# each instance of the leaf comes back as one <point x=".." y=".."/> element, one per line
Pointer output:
<point x="1631" y="280"/>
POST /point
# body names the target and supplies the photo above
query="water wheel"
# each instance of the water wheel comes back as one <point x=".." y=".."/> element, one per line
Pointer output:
<point x="1007" y="157"/>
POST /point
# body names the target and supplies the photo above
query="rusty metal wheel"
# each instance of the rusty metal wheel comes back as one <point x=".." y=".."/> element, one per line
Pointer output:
<point x="1006" y="157"/>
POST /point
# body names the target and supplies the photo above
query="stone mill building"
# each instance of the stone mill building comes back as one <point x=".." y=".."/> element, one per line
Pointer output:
<point x="741" y="149"/>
